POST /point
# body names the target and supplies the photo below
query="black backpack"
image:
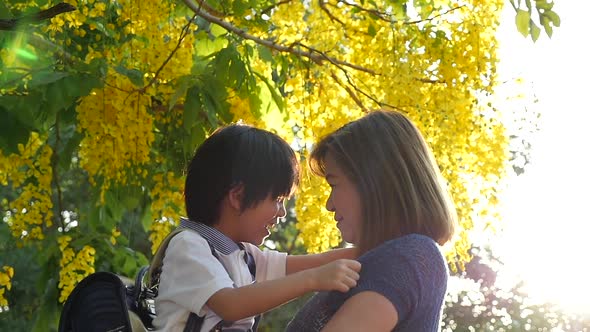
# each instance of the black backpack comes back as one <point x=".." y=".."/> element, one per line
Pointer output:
<point x="107" y="302"/>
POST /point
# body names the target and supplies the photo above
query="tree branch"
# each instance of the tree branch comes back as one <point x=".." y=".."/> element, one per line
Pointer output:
<point x="54" y="165"/>
<point x="13" y="23"/>
<point x="27" y="72"/>
<point x="435" y="16"/>
<point x="268" y="9"/>
<point x="386" y="17"/>
<point x="351" y="93"/>
<point x="312" y="54"/>
<point x="330" y="15"/>
<point x="355" y="97"/>
<point x="185" y="31"/>
<point x="205" y="6"/>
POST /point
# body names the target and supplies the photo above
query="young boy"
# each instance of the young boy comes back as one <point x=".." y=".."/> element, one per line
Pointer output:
<point x="234" y="193"/>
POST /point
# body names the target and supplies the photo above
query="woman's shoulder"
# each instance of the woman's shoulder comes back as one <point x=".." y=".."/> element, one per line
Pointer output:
<point x="410" y="242"/>
<point x="416" y="250"/>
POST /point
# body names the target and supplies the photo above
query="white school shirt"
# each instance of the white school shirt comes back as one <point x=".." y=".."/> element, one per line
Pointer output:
<point x="191" y="274"/>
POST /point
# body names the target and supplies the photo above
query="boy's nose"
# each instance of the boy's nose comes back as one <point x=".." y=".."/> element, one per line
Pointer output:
<point x="281" y="210"/>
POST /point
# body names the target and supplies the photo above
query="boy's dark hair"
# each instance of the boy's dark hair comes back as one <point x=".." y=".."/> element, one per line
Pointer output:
<point x="234" y="155"/>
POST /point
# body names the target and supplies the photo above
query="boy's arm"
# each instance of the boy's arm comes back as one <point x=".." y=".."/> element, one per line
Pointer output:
<point x="296" y="263"/>
<point x="233" y="304"/>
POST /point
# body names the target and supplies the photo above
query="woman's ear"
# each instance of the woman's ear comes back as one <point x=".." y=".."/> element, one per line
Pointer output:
<point x="235" y="196"/>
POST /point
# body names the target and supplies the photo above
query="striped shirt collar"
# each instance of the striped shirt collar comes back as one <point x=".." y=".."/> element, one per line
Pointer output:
<point x="220" y="241"/>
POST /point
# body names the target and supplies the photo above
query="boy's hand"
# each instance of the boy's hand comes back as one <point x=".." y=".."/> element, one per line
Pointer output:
<point x="340" y="275"/>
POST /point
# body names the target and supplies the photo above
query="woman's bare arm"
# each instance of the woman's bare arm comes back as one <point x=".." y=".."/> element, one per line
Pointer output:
<point x="365" y="311"/>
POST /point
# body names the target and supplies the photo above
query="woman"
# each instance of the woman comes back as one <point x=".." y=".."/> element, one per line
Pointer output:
<point x="388" y="199"/>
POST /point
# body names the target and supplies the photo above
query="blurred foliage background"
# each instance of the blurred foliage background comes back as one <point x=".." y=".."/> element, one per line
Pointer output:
<point x="102" y="104"/>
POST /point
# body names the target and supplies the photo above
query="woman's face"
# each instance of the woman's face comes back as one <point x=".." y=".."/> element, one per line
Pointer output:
<point x="344" y="201"/>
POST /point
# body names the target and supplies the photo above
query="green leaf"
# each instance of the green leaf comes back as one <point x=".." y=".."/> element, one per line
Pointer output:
<point x="547" y="26"/>
<point x="47" y="316"/>
<point x="196" y="137"/>
<point x="237" y="72"/>
<point x="222" y="62"/>
<point x="129" y="265"/>
<point x="96" y="66"/>
<point x="114" y="208"/>
<point x="182" y="86"/>
<point x="523" y="19"/>
<point x="24" y="108"/>
<point x="4" y="12"/>
<point x="56" y="99"/>
<point x="206" y="46"/>
<point x="217" y="31"/>
<point x="63" y="94"/>
<point x="255" y="103"/>
<point x="193" y="106"/>
<point x="70" y="141"/>
<point x="265" y="53"/>
<point x="134" y="75"/>
<point x="46" y="77"/>
<point x="535" y="31"/>
<point x="12" y="132"/>
<point x="215" y="101"/>
<point x="543" y="4"/>
<point x="553" y="17"/>
<point x="146" y="218"/>
<point x="94" y="215"/>
<point x="129" y="196"/>
<point x="400" y="10"/>
<point x="276" y="96"/>
<point x="85" y="83"/>
<point x="211" y="108"/>
<point x="372" y="32"/>
<point x="239" y="7"/>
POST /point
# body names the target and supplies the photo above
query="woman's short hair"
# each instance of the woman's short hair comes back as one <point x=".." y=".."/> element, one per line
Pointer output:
<point x="262" y="162"/>
<point x="397" y="178"/>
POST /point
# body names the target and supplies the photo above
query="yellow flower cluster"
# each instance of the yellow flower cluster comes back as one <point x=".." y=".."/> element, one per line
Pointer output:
<point x="316" y="224"/>
<point x="240" y="108"/>
<point x="115" y="233"/>
<point x="75" y="19"/>
<point x="421" y="69"/>
<point x="74" y="266"/>
<point x="118" y="133"/>
<point x="157" y="32"/>
<point x="5" y="284"/>
<point x="118" y="121"/>
<point x="167" y="203"/>
<point x="159" y="229"/>
<point x="29" y="173"/>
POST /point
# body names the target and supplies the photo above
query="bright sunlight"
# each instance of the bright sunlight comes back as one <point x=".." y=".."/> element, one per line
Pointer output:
<point x="545" y="209"/>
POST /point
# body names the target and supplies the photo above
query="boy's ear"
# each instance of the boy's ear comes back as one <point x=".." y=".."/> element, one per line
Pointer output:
<point x="235" y="195"/>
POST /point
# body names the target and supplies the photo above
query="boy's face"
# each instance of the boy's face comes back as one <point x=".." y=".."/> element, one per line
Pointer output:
<point x="256" y="222"/>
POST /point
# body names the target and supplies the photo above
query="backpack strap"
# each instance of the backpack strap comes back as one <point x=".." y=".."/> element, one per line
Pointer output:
<point x="194" y="321"/>
<point x="155" y="268"/>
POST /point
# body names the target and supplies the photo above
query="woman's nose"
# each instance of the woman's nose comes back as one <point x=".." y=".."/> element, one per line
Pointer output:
<point x="329" y="204"/>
